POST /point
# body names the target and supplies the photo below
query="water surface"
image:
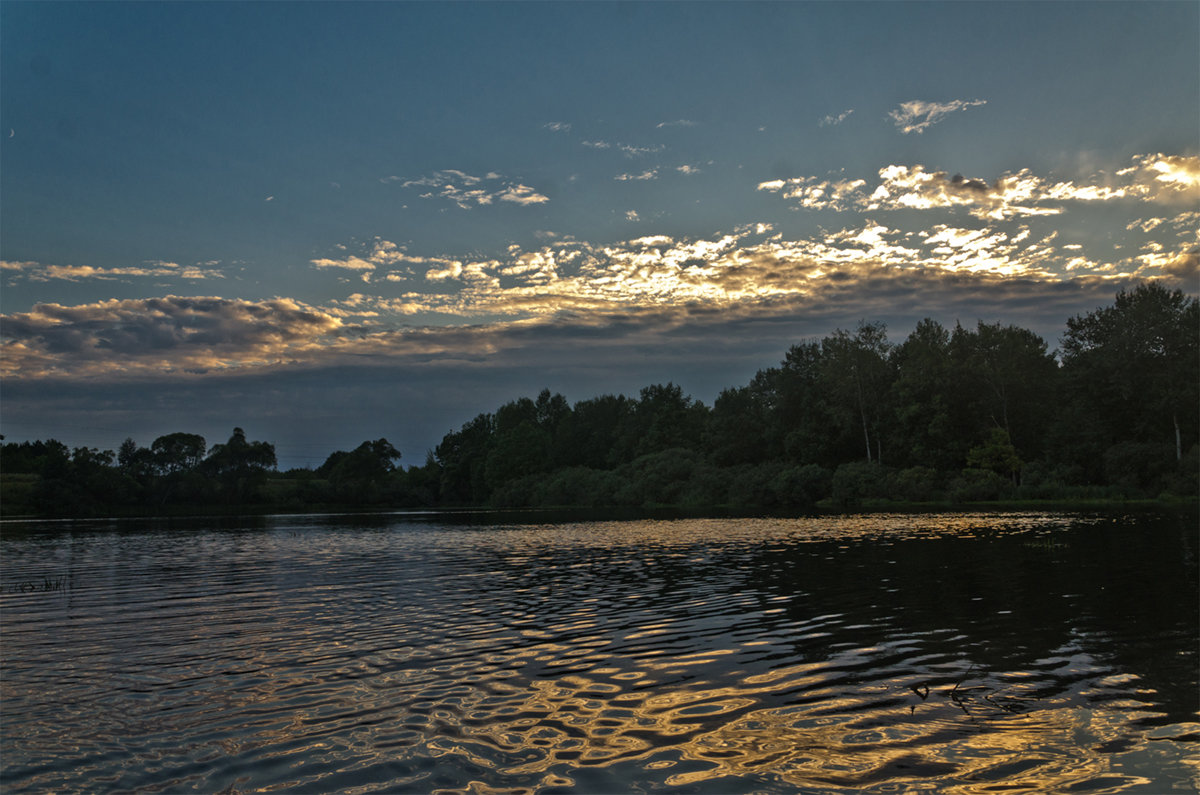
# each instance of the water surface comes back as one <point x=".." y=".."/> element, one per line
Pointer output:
<point x="881" y="653"/>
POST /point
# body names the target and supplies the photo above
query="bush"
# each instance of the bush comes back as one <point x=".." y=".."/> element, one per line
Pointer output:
<point x="981" y="485"/>
<point x="707" y="486"/>
<point x="1138" y="467"/>
<point x="579" y="486"/>
<point x="858" y="481"/>
<point x="658" y="477"/>
<point x="1043" y="481"/>
<point x="802" y="486"/>
<point x="916" y="484"/>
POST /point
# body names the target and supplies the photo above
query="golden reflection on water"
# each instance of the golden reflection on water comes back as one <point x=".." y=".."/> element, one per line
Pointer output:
<point x="956" y="739"/>
<point x="710" y="656"/>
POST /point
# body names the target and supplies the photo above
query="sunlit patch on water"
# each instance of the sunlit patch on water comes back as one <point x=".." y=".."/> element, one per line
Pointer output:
<point x="962" y="654"/>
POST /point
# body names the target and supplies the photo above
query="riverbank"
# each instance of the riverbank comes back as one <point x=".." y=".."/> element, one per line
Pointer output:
<point x="650" y="510"/>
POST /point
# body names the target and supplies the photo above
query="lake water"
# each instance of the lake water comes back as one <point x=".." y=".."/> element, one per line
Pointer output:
<point x="964" y="653"/>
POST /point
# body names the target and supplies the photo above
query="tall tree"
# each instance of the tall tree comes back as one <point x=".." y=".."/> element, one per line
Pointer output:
<point x="1136" y="366"/>
<point x="858" y="375"/>
<point x="1010" y="377"/>
<point x="241" y="465"/>
<point x="799" y="401"/>
<point x="739" y="430"/>
<point x="589" y="435"/>
<point x="177" y="452"/>
<point x="924" y="400"/>
<point x="665" y="418"/>
<point x="462" y="456"/>
<point x="360" y="474"/>
<point x="520" y="445"/>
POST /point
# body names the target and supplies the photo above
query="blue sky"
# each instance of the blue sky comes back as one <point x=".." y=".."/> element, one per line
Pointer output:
<point x="332" y="222"/>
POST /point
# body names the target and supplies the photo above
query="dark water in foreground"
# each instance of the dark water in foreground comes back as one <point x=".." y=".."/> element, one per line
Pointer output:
<point x="956" y="653"/>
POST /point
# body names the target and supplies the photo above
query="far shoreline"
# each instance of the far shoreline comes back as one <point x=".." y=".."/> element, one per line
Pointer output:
<point x="568" y="513"/>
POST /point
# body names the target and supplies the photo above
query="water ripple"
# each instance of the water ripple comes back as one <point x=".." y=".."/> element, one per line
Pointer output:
<point x="962" y="654"/>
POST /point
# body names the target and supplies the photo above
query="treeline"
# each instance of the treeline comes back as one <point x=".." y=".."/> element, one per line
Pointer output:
<point x="946" y="415"/>
<point x="178" y="470"/>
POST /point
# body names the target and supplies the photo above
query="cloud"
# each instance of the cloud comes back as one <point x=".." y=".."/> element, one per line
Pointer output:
<point x="749" y="267"/>
<point x="917" y="116"/>
<point x="383" y="253"/>
<point x="818" y="194"/>
<point x="676" y="123"/>
<point x="468" y="191"/>
<point x="522" y="194"/>
<point x="557" y="126"/>
<point x="158" y="269"/>
<point x="1011" y="195"/>
<point x="1156" y="178"/>
<point x="1163" y="178"/>
<point x="629" y="150"/>
<point x="172" y="334"/>
<point x="686" y="169"/>
<point x="639" y="151"/>
<point x="645" y="175"/>
<point x="834" y="120"/>
<point x="671" y="296"/>
<point x="991" y="239"/>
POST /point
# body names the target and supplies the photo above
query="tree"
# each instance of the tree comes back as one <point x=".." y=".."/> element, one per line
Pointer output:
<point x="552" y="410"/>
<point x="589" y="435"/>
<point x="664" y="418"/>
<point x="798" y="398"/>
<point x="857" y="374"/>
<point x="175" y="452"/>
<point x="520" y="444"/>
<point x="241" y="466"/>
<point x="462" y="456"/>
<point x="739" y="428"/>
<point x="1135" y="365"/>
<point x="997" y="455"/>
<point x="1010" y="379"/>
<point x="360" y="474"/>
<point x="928" y="401"/>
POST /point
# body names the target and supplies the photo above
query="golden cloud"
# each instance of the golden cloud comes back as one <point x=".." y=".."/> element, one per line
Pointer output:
<point x="1158" y="178"/>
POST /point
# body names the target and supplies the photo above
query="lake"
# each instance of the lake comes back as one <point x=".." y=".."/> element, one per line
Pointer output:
<point x="492" y="653"/>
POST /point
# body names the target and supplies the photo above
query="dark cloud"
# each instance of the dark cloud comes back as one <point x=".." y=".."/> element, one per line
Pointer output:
<point x="118" y="335"/>
<point x="959" y="182"/>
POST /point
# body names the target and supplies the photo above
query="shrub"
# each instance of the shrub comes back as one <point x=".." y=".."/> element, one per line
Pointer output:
<point x="658" y="477"/>
<point x="918" y="484"/>
<point x="802" y="486"/>
<point x="858" y="481"/>
<point x="980" y="485"/>
<point x="579" y="486"/>
<point x="1139" y="467"/>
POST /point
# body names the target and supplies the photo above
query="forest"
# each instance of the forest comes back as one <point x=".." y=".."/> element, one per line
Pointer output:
<point x="945" y="416"/>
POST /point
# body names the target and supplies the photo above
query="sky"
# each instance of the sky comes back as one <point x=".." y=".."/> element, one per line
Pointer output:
<point x="332" y="222"/>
